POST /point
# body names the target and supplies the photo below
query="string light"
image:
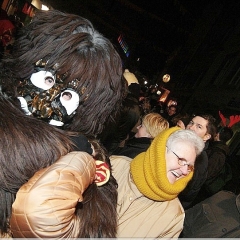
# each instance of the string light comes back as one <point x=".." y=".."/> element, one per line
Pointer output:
<point x="123" y="45"/>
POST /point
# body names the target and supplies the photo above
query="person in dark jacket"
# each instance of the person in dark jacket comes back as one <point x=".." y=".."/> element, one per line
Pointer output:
<point x="170" y="113"/>
<point x="217" y="152"/>
<point x="204" y="126"/>
<point x="152" y="124"/>
<point x="219" y="171"/>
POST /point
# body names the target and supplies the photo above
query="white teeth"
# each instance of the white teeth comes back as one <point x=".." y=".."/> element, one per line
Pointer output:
<point x="175" y="174"/>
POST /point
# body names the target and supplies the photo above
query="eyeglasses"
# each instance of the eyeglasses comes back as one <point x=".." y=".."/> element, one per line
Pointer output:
<point x="183" y="161"/>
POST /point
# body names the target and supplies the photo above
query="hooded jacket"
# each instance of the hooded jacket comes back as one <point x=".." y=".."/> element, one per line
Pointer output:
<point x="45" y="206"/>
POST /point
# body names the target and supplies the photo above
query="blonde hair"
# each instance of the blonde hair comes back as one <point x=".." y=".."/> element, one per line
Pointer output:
<point x="154" y="123"/>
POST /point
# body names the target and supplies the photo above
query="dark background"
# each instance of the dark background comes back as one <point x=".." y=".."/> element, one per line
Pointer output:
<point x="154" y="30"/>
<point x="197" y="42"/>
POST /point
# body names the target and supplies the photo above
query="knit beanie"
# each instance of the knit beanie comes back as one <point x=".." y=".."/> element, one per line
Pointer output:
<point x="149" y="172"/>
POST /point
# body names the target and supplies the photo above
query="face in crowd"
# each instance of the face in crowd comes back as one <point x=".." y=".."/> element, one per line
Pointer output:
<point x="199" y="126"/>
<point x="142" y="132"/>
<point x="171" y="110"/>
<point x="180" y="161"/>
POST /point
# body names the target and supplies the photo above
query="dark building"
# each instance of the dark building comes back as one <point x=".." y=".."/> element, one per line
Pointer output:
<point x="196" y="42"/>
<point x="206" y="71"/>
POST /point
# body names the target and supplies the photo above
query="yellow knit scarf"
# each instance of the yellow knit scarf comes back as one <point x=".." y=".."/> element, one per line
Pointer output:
<point x="149" y="172"/>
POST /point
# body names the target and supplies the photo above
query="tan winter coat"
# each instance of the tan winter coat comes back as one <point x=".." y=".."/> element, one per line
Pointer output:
<point x="45" y="205"/>
<point x="141" y="217"/>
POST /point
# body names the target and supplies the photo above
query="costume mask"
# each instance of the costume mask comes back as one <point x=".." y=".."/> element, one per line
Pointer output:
<point x="44" y="96"/>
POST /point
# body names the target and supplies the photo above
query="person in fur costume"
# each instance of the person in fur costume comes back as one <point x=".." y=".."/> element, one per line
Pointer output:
<point x="65" y="72"/>
<point x="62" y="82"/>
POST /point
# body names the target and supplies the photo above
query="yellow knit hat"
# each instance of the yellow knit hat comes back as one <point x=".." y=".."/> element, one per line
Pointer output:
<point x="149" y="172"/>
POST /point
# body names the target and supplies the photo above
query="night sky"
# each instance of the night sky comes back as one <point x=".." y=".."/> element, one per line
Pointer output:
<point x="154" y="30"/>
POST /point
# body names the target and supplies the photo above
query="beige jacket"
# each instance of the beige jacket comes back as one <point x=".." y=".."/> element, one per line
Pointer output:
<point x="139" y="216"/>
<point x="45" y="205"/>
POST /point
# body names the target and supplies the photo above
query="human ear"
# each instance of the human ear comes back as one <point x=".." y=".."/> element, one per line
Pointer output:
<point x="206" y="137"/>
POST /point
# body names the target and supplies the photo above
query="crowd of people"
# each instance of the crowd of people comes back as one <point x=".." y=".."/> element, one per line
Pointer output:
<point x="80" y="159"/>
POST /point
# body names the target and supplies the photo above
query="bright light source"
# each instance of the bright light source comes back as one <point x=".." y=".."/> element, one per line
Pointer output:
<point x="145" y="82"/>
<point x="45" y="7"/>
<point x="166" y="78"/>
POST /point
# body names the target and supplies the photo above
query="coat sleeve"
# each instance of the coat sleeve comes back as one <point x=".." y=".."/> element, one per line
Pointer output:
<point x="45" y="206"/>
<point x="215" y="164"/>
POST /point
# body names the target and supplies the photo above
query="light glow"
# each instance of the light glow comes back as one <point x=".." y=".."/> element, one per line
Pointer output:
<point x="45" y="8"/>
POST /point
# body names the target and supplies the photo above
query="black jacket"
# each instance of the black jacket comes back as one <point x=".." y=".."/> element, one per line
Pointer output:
<point x="217" y="153"/>
<point x="219" y="171"/>
<point x="133" y="147"/>
<point x="188" y="195"/>
<point x="215" y="217"/>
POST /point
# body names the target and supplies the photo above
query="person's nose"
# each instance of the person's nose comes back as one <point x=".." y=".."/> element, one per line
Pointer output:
<point x="184" y="170"/>
<point x="192" y="127"/>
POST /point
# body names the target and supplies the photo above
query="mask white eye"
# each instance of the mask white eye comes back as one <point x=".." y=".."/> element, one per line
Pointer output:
<point x="70" y="100"/>
<point x="43" y="79"/>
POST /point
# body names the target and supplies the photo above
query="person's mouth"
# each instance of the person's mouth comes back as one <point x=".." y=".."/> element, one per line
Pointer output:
<point x="175" y="174"/>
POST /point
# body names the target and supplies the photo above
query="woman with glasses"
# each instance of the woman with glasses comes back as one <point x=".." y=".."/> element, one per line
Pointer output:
<point x="148" y="186"/>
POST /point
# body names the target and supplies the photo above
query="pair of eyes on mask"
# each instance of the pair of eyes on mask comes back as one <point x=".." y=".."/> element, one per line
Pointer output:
<point x="46" y="80"/>
<point x="65" y="103"/>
